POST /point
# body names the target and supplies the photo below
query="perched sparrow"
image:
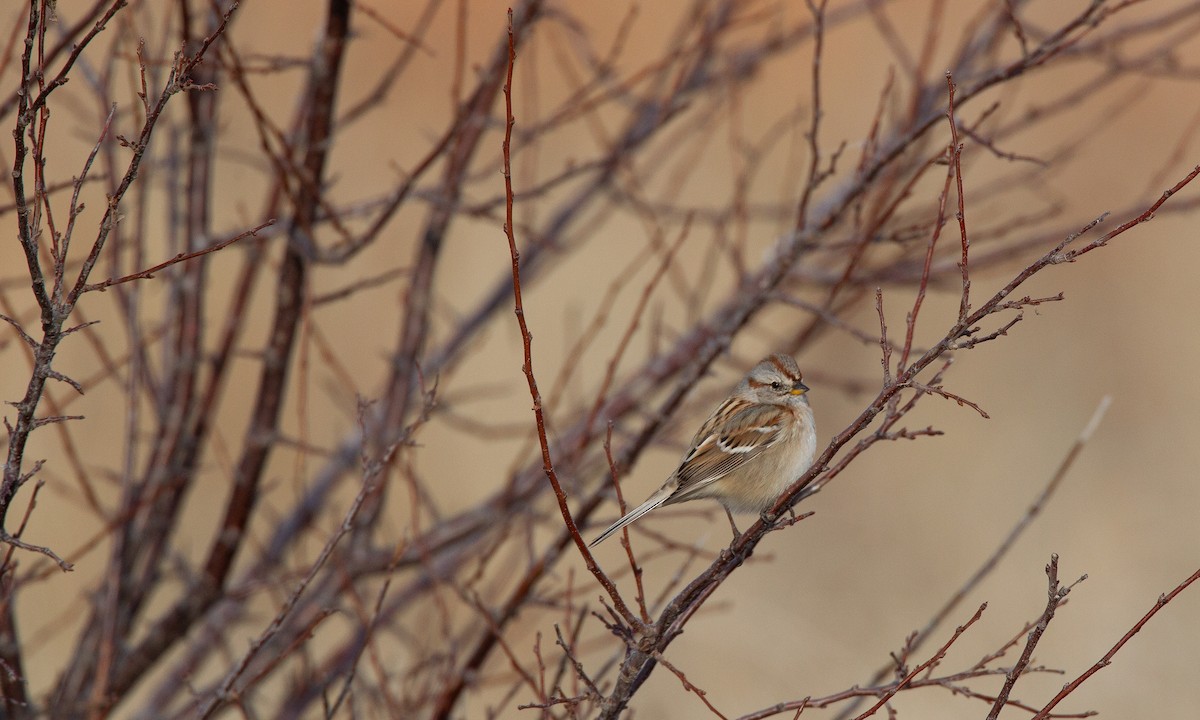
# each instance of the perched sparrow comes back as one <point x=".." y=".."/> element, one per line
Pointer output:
<point x="752" y="447"/>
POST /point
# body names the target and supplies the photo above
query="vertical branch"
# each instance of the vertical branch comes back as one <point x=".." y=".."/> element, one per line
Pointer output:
<point x="926" y="268"/>
<point x="956" y="148"/>
<point x="814" y="127"/>
<point x="14" y="689"/>
<point x="1055" y="595"/>
<point x="527" y="342"/>
<point x="885" y="346"/>
<point x="953" y="171"/>
<point x="26" y="232"/>
<point x="274" y="373"/>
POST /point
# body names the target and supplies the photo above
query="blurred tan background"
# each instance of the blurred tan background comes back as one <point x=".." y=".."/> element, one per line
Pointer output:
<point x="822" y="605"/>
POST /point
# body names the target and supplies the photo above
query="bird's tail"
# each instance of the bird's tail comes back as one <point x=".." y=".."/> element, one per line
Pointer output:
<point x="655" y="500"/>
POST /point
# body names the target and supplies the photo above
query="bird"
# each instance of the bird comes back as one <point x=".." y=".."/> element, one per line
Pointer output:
<point x="750" y="449"/>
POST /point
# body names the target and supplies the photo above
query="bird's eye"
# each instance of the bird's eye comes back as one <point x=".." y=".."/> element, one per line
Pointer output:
<point x="777" y="385"/>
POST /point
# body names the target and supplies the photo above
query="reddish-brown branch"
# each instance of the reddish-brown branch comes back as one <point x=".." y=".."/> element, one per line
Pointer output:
<point x="527" y="345"/>
<point x="956" y="149"/>
<point x="1055" y="596"/>
<point x="942" y="392"/>
<point x="181" y="257"/>
<point x="927" y="665"/>
<point x="812" y="135"/>
<point x="1106" y="659"/>
<point x="634" y="568"/>
<point x="885" y="346"/>
<point x="690" y="686"/>
<point x="939" y="222"/>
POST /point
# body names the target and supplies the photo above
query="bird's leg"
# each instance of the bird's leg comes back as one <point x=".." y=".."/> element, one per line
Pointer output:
<point x="736" y="532"/>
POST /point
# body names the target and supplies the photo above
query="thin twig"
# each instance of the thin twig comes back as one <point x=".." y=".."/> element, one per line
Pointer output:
<point x="527" y="345"/>
<point x="934" y="660"/>
<point x="181" y="257"/>
<point x="1106" y="659"/>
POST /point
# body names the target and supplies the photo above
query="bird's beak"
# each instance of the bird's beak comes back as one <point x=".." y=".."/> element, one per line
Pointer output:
<point x="799" y="389"/>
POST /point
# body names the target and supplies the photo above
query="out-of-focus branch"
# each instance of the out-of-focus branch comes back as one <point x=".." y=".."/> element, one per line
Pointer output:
<point x="269" y="397"/>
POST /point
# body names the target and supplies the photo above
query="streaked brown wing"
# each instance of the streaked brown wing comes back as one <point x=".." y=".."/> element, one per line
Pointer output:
<point x="718" y="451"/>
